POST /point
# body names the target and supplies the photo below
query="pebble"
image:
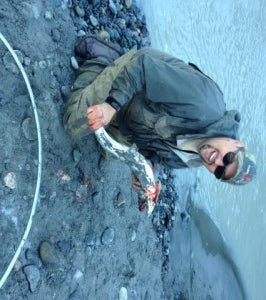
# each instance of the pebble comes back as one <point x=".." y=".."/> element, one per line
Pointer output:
<point x="78" y="275"/>
<point x="128" y="3"/>
<point x="76" y="155"/>
<point x="112" y="7"/>
<point x="123" y="293"/>
<point x="108" y="236"/>
<point x="26" y="61"/>
<point x="48" y="15"/>
<point x="80" y="11"/>
<point x="65" y="91"/>
<point x="33" y="258"/>
<point x="94" y="21"/>
<point x="56" y="35"/>
<point x="48" y="253"/>
<point x="17" y="265"/>
<point x="10" y="63"/>
<point x="33" y="276"/>
<point x="10" y="180"/>
<point x="81" y="33"/>
<point x="133" y="236"/>
<point x="104" y="35"/>
<point x="88" y="251"/>
<point x="74" y="63"/>
<point x="43" y="64"/>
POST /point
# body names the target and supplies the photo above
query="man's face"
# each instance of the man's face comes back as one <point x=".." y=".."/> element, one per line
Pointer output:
<point x="213" y="150"/>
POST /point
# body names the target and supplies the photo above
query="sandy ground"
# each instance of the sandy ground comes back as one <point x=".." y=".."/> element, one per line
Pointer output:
<point x="88" y="239"/>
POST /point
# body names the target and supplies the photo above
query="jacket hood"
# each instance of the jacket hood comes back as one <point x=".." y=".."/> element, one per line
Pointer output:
<point x="227" y="126"/>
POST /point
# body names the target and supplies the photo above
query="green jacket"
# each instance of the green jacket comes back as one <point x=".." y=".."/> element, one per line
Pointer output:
<point x="162" y="97"/>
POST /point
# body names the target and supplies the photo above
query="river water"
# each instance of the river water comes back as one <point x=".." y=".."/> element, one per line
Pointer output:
<point x="227" y="41"/>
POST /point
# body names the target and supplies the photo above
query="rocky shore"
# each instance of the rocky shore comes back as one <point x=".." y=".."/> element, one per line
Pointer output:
<point x="88" y="239"/>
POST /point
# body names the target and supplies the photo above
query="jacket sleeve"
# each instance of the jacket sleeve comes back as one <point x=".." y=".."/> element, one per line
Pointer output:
<point x="168" y="81"/>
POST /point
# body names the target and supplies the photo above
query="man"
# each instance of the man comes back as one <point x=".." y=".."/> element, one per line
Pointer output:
<point x="172" y="111"/>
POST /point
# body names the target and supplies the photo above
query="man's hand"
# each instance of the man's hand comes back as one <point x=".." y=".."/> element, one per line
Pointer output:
<point x="99" y="115"/>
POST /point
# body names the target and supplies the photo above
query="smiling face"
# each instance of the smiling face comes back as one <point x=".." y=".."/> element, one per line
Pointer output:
<point x="213" y="150"/>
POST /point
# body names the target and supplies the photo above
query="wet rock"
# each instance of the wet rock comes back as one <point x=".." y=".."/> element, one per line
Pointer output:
<point x="17" y="265"/>
<point x="94" y="21"/>
<point x="112" y="7"/>
<point x="56" y="35"/>
<point x="123" y="293"/>
<point x="33" y="276"/>
<point x="10" y="63"/>
<point x="10" y="180"/>
<point x="48" y="253"/>
<point x="32" y="257"/>
<point x="108" y="236"/>
<point x="74" y="63"/>
<point x="80" y="11"/>
<point x="81" y="193"/>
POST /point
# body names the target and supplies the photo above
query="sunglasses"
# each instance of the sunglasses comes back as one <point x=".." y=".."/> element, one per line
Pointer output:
<point x="227" y="160"/>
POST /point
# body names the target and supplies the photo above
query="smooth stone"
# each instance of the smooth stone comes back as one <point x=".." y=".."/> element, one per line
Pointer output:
<point x="74" y="63"/>
<point x="104" y="35"/>
<point x="81" y="33"/>
<point x="133" y="236"/>
<point x="80" y="11"/>
<point x="32" y="257"/>
<point x="121" y="23"/>
<point x="123" y="293"/>
<point x="48" y="253"/>
<point x="33" y="276"/>
<point x="128" y="3"/>
<point x="10" y="63"/>
<point x="56" y="35"/>
<point x="94" y="21"/>
<point x="108" y="236"/>
<point x="78" y="275"/>
<point x="65" y="91"/>
<point x="112" y="7"/>
<point x="29" y="129"/>
<point x="77" y="155"/>
<point x="48" y="15"/>
<point x="10" y="180"/>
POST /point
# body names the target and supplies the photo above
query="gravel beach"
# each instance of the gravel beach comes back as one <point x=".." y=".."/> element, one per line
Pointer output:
<point x="88" y="239"/>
